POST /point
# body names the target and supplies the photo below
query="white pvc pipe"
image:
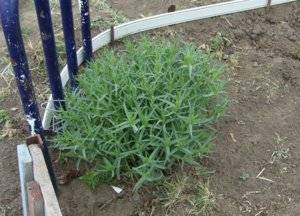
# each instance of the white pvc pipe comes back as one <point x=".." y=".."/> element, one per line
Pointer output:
<point x="158" y="21"/>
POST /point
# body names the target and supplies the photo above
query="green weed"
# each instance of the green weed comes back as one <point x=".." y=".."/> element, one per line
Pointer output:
<point x="139" y="111"/>
<point x="219" y="42"/>
<point x="3" y="117"/>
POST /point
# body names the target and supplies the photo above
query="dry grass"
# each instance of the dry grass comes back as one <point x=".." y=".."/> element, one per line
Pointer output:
<point x="194" y="197"/>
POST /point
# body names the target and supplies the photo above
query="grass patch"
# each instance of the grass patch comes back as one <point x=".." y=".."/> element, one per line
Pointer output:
<point x="203" y="202"/>
<point x="112" y="16"/>
<point x="3" y="117"/>
<point x="189" y="195"/>
<point x="174" y="193"/>
<point x="139" y="111"/>
<point x="6" y="129"/>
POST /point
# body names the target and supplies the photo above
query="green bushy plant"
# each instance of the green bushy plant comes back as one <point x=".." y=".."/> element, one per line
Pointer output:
<point x="140" y="110"/>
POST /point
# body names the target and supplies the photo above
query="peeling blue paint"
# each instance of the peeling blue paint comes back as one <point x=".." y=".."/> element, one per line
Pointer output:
<point x="47" y="36"/>
<point x="70" y="45"/>
<point x="86" y="30"/>
<point x="11" y="28"/>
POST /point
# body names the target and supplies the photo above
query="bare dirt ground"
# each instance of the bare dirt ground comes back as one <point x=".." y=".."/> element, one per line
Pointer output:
<point x="256" y="155"/>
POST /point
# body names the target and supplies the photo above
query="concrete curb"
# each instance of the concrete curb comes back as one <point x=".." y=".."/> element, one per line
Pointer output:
<point x="38" y="195"/>
<point x="25" y="173"/>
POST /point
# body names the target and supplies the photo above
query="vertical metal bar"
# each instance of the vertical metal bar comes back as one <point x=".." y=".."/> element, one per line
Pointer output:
<point x="12" y="32"/>
<point x="68" y="28"/>
<point x="47" y="36"/>
<point x="85" y="29"/>
<point x="9" y="14"/>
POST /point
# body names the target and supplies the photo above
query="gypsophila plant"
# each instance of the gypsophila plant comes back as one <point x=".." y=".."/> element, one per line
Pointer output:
<point x="139" y="111"/>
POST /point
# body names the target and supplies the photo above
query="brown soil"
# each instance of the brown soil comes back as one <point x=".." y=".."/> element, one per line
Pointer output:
<point x="264" y="93"/>
<point x="263" y="119"/>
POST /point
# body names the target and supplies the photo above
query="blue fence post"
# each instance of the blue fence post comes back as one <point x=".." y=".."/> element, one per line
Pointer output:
<point x="47" y="36"/>
<point x="86" y="29"/>
<point x="11" y="28"/>
<point x="68" y="28"/>
<point x="9" y="15"/>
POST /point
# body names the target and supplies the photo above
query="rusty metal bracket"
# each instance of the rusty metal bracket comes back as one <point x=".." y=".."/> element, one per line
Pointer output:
<point x="112" y="35"/>
<point x="35" y="139"/>
<point x="38" y="140"/>
<point x="269" y="3"/>
<point x="268" y="7"/>
<point x="171" y="8"/>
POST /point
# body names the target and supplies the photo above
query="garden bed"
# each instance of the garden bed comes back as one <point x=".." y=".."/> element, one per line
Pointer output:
<point x="258" y="135"/>
<point x="254" y="168"/>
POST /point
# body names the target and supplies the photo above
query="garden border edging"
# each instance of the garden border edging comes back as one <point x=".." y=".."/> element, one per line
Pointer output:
<point x="158" y="21"/>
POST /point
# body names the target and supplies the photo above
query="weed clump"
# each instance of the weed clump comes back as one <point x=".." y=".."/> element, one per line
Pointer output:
<point x="3" y="116"/>
<point x="139" y="111"/>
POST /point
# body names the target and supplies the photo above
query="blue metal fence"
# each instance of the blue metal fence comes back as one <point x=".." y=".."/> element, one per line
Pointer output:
<point x="43" y="13"/>
<point x="9" y="14"/>
<point x="68" y="28"/>
<point x="85" y="29"/>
